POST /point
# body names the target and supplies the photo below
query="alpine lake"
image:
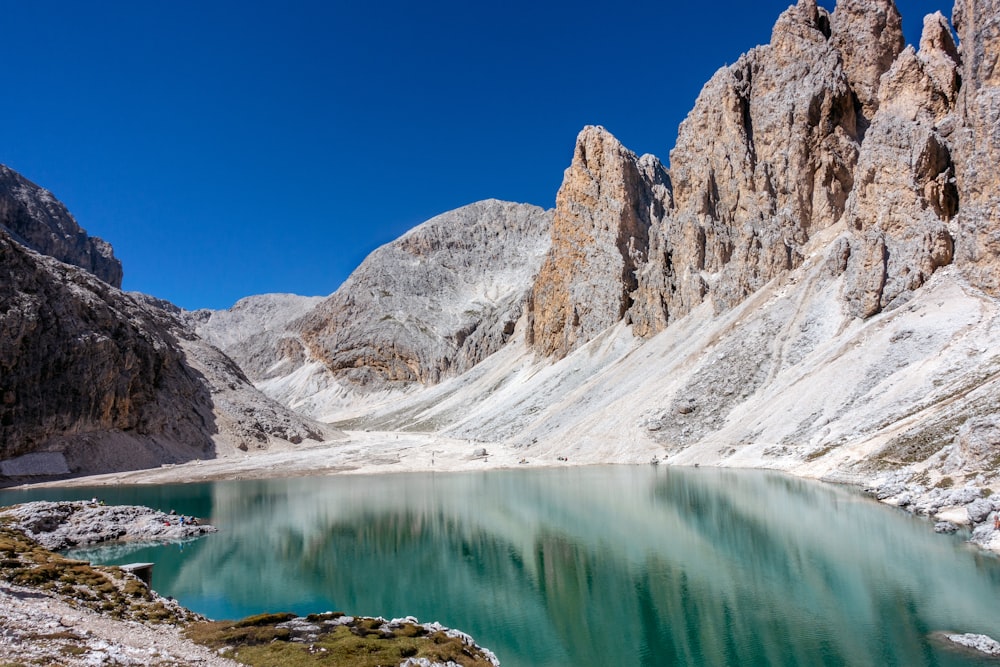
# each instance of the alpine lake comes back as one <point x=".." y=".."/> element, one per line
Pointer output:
<point x="610" y="565"/>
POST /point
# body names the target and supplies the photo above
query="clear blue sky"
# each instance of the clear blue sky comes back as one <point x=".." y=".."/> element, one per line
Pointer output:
<point x="235" y="148"/>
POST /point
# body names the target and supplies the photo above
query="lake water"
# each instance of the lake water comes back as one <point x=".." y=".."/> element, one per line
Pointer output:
<point x="584" y="566"/>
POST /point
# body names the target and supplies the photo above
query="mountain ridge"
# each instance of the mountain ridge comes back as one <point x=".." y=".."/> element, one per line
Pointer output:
<point x="811" y="286"/>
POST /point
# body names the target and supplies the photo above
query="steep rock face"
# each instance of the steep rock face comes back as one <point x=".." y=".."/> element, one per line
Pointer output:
<point x="600" y="236"/>
<point x="977" y="144"/>
<point x="254" y="332"/>
<point x="765" y="160"/>
<point x="109" y="381"/>
<point x="869" y="35"/>
<point x="905" y="192"/>
<point x="39" y="221"/>
<point x="77" y="357"/>
<point x="438" y="300"/>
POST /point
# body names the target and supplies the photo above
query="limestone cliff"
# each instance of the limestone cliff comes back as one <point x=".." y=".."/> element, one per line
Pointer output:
<point x="766" y="159"/>
<point x="905" y="194"/>
<point x="93" y="379"/>
<point x="600" y="238"/>
<point x="977" y="142"/>
<point x="433" y="303"/>
<point x="36" y="219"/>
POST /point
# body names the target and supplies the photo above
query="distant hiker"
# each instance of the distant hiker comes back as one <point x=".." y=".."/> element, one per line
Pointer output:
<point x="996" y="521"/>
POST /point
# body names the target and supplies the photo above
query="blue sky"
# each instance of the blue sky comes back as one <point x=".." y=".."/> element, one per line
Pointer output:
<point x="235" y="148"/>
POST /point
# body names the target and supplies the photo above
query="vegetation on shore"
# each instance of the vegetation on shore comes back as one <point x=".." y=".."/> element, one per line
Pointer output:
<point x="275" y="640"/>
<point x="282" y="640"/>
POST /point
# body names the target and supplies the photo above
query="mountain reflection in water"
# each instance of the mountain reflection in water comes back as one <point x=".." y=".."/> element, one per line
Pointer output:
<point x="586" y="566"/>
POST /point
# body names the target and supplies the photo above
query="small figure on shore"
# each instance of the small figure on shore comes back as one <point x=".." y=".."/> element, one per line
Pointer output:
<point x="996" y="521"/>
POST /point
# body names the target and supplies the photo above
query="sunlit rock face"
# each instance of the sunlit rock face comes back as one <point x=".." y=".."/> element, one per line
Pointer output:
<point x="436" y="301"/>
<point x="600" y="237"/>
<point x="977" y="142"/>
<point x="36" y="219"/>
<point x="905" y="195"/>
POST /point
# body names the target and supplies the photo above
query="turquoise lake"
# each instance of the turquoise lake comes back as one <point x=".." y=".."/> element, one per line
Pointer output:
<point x="618" y="565"/>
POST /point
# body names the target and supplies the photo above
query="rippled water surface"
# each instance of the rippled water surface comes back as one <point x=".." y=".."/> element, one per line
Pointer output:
<point x="584" y="566"/>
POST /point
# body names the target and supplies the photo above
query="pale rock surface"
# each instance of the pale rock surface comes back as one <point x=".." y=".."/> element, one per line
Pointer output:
<point x="62" y="525"/>
<point x="600" y="236"/>
<point x="433" y="303"/>
<point x="763" y="162"/>
<point x="254" y="332"/>
<point x="981" y="643"/>
<point x="905" y="196"/>
<point x="977" y="142"/>
<point x="39" y="221"/>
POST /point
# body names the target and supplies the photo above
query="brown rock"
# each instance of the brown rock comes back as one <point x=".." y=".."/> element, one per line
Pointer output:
<point x="977" y="142"/>
<point x="604" y="208"/>
<point x="905" y="194"/>
<point x="764" y="160"/>
<point x="869" y="35"/>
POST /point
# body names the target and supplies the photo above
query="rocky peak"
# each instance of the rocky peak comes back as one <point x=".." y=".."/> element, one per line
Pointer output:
<point x="978" y="26"/>
<point x="36" y="219"/>
<point x="977" y="142"/>
<point x="435" y="302"/>
<point x="869" y="35"/>
<point x="905" y="194"/>
<point x="608" y="200"/>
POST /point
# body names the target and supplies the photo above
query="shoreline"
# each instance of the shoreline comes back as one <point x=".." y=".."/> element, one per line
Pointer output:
<point x="947" y="509"/>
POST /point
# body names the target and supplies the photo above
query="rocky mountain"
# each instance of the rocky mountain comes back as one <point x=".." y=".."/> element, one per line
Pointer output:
<point x="436" y="301"/>
<point x="94" y="379"/>
<point x="254" y="332"/>
<point x="37" y="220"/>
<point x="430" y="305"/>
<point x="812" y="285"/>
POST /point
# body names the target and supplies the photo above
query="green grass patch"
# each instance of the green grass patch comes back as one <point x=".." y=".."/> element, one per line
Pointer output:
<point x="103" y="589"/>
<point x="363" y="642"/>
<point x="945" y="483"/>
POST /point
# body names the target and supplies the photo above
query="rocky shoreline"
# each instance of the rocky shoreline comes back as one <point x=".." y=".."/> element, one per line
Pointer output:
<point x="971" y="506"/>
<point x="58" y="610"/>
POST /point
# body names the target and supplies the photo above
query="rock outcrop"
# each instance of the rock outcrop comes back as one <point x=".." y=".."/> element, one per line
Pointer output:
<point x="600" y="237"/>
<point x="65" y="525"/>
<point x="433" y="303"/>
<point x="93" y="379"/>
<point x="905" y="195"/>
<point x="977" y="142"/>
<point x="39" y="221"/>
<point x="764" y="161"/>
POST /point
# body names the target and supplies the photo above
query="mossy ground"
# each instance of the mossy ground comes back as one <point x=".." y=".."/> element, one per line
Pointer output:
<point x="361" y="642"/>
<point x="256" y="640"/>
<point x="104" y="589"/>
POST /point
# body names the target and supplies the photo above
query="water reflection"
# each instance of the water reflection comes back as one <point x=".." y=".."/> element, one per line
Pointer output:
<point x="591" y="566"/>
